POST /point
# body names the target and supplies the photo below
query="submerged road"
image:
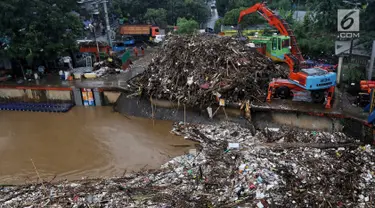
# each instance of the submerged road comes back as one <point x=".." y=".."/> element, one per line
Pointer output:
<point x="85" y="142"/>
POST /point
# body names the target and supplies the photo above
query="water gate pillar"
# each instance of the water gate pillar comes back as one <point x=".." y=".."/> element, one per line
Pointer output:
<point x="98" y="97"/>
<point x="77" y="96"/>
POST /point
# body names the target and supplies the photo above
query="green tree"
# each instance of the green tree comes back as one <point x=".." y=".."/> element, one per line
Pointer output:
<point x="281" y="5"/>
<point x="287" y="15"/>
<point x="368" y="17"/>
<point x="367" y="29"/>
<point x="134" y="9"/>
<point x="231" y="18"/>
<point x="197" y="10"/>
<point x="186" y="26"/>
<point x="38" y="29"/>
<point x="218" y="24"/>
<point x="116" y="8"/>
<point x="137" y="9"/>
<point x="326" y="13"/>
<point x="223" y="6"/>
<point x="313" y="42"/>
<point x="157" y="16"/>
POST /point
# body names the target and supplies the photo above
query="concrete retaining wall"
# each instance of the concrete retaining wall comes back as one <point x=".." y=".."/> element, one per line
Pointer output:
<point x="11" y="94"/>
<point x="263" y="119"/>
<point x="35" y="95"/>
<point x="59" y="95"/>
<point x="165" y="110"/>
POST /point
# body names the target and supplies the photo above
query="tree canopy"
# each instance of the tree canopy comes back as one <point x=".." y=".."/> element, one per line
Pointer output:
<point x="186" y="26"/>
<point x="231" y="18"/>
<point x="224" y="6"/>
<point x="38" y="28"/>
<point x="146" y="10"/>
<point x="157" y="16"/>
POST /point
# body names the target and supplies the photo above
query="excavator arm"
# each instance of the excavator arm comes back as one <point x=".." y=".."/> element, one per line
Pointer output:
<point x="274" y="20"/>
<point x="267" y="14"/>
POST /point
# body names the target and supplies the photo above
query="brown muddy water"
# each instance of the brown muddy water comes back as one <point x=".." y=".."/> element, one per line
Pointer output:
<point x="85" y="142"/>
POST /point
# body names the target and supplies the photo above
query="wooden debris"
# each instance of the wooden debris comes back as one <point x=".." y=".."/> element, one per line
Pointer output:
<point x="195" y="71"/>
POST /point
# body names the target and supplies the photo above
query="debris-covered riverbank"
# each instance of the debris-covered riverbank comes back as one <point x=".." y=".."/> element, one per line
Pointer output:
<point x="233" y="166"/>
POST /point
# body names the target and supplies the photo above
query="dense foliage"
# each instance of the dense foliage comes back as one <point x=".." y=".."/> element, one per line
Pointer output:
<point x="161" y="11"/>
<point x="186" y="26"/>
<point x="231" y="18"/>
<point x="223" y="6"/>
<point x="38" y="29"/>
<point x="157" y="16"/>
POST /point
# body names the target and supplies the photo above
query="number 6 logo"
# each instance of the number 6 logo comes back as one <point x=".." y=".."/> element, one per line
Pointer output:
<point x="348" y="20"/>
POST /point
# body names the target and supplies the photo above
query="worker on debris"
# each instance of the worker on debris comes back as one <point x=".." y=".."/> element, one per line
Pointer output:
<point x="135" y="51"/>
<point x="143" y="50"/>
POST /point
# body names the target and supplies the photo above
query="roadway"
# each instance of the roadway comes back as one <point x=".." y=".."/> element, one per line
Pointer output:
<point x="214" y="16"/>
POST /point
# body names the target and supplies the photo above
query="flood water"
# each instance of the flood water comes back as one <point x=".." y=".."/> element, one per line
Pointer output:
<point x="85" y="142"/>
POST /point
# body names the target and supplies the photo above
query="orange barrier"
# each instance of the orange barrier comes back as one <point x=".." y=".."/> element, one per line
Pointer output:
<point x="367" y="85"/>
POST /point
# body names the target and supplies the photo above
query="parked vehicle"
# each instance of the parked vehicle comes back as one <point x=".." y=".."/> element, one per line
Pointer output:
<point x="209" y="30"/>
<point x="118" y="46"/>
<point x="128" y="40"/>
<point x="140" y="32"/>
<point x="88" y="46"/>
<point x="159" y="38"/>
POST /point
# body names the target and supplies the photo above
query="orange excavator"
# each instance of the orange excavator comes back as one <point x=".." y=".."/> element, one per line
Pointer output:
<point x="320" y="82"/>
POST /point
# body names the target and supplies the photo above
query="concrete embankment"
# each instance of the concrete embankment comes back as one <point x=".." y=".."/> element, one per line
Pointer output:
<point x="165" y="110"/>
<point x="107" y="96"/>
<point x="261" y="117"/>
<point x="35" y="94"/>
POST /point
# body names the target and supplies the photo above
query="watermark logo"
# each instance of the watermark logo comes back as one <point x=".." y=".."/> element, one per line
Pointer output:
<point x="348" y="23"/>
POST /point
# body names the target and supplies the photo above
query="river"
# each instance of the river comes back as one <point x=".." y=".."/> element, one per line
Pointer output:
<point x="85" y="142"/>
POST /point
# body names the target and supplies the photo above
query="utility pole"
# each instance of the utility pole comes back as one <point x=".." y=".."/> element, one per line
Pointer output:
<point x="107" y="23"/>
<point x="92" y="28"/>
<point x="105" y="15"/>
<point x="372" y="61"/>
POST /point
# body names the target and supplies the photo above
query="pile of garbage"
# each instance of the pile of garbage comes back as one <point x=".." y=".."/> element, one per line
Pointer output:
<point x="197" y="70"/>
<point x="231" y="167"/>
<point x="111" y="65"/>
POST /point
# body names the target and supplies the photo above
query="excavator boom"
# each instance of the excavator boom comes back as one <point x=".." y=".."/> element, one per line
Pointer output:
<point x="274" y="20"/>
<point x="292" y="62"/>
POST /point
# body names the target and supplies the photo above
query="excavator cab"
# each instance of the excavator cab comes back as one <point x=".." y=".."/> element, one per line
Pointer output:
<point x="274" y="47"/>
<point x="280" y="45"/>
